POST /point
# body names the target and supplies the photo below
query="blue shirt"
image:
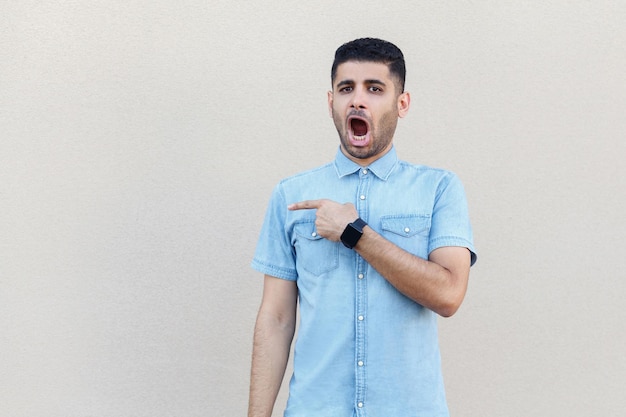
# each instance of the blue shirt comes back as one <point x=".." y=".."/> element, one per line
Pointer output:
<point x="363" y="348"/>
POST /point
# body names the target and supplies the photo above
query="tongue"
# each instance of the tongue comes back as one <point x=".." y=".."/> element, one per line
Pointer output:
<point x="359" y="127"/>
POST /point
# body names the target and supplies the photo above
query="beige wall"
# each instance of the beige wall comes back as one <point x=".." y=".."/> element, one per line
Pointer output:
<point x="139" y="142"/>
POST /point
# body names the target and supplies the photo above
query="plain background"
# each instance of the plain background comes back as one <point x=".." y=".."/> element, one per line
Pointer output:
<point x="140" y="141"/>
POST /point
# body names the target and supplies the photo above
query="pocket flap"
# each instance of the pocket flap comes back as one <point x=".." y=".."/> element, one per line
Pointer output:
<point x="307" y="230"/>
<point x="406" y="225"/>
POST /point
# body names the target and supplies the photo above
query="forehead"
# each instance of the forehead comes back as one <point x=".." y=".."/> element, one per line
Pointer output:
<point x="362" y="71"/>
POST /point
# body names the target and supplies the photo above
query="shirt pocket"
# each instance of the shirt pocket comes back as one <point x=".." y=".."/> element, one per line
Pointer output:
<point x="410" y="232"/>
<point x="314" y="253"/>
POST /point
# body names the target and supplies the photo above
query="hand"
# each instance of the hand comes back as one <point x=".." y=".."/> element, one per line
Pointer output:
<point x="331" y="218"/>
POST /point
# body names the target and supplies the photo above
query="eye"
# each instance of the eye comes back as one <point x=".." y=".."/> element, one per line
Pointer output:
<point x="345" y="90"/>
<point x="375" y="89"/>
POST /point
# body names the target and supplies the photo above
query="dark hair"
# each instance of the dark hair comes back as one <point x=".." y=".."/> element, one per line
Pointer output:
<point x="372" y="50"/>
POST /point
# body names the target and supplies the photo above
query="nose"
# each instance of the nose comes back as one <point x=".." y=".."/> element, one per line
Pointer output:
<point x="358" y="99"/>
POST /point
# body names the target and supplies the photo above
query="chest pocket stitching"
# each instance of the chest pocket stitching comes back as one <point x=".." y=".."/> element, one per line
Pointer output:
<point x="327" y="258"/>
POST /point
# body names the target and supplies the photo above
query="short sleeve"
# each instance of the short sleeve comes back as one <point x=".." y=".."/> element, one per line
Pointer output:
<point x="450" y="218"/>
<point x="274" y="253"/>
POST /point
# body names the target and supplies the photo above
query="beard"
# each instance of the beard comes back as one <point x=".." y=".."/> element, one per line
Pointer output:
<point x="381" y="134"/>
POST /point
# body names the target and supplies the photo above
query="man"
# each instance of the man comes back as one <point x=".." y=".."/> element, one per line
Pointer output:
<point x="373" y="248"/>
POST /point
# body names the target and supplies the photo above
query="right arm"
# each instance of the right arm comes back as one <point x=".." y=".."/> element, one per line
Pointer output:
<point x="273" y="334"/>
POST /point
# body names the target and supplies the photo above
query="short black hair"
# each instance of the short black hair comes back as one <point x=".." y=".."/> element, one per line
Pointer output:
<point x="372" y="50"/>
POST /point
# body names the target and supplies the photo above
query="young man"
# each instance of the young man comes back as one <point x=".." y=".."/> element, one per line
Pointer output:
<point x="373" y="248"/>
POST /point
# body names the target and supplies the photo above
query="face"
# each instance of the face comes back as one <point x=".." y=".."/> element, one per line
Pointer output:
<point x="365" y="105"/>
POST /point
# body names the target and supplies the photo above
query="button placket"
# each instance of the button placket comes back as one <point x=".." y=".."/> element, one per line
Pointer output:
<point x="360" y="354"/>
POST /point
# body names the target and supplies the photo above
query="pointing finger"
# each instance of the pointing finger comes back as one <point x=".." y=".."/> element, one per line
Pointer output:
<point x="304" y="205"/>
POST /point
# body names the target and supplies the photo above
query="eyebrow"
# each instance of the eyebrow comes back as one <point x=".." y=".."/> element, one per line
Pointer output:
<point x="368" y="82"/>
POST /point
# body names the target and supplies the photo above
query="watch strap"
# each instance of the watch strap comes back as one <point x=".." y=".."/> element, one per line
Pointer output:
<point x="359" y="224"/>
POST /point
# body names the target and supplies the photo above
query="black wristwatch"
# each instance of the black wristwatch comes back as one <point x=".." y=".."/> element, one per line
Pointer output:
<point x="353" y="233"/>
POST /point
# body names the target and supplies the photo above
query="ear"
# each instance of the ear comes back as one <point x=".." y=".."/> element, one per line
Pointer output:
<point x="330" y="104"/>
<point x="404" y="102"/>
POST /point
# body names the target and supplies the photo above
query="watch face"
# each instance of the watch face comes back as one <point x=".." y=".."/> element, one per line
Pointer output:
<point x="350" y="236"/>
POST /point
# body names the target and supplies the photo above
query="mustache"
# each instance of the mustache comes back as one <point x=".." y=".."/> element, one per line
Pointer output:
<point x="358" y="113"/>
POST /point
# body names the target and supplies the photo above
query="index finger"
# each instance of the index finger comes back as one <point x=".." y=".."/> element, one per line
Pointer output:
<point x="304" y="205"/>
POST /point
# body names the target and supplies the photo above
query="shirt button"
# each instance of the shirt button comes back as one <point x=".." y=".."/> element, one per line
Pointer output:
<point x="360" y="405"/>
<point x="361" y="276"/>
<point x="407" y="230"/>
<point x="360" y="363"/>
<point x="313" y="234"/>
<point x="364" y="171"/>
<point x="362" y="197"/>
<point x="361" y="318"/>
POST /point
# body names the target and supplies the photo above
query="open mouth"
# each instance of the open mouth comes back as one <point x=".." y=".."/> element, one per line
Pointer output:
<point x="359" y="128"/>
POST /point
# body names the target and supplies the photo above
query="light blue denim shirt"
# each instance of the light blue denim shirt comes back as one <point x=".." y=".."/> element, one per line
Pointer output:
<point x="363" y="348"/>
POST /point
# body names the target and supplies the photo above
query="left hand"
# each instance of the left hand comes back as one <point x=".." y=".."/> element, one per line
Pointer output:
<point x="331" y="218"/>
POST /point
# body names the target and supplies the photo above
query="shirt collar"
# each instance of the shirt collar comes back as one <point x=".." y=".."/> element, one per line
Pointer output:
<point x="382" y="167"/>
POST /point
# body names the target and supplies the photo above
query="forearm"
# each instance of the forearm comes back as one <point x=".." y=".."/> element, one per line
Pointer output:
<point x="272" y="342"/>
<point x="425" y="282"/>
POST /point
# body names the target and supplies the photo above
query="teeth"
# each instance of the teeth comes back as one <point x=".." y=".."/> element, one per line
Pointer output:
<point x="359" y="137"/>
